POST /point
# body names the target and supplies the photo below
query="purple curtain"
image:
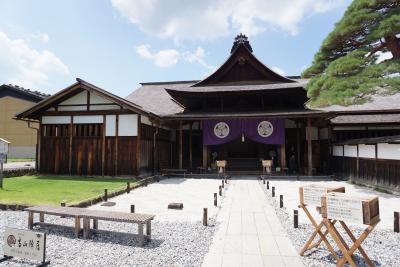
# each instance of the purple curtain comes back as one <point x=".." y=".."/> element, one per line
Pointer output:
<point x="266" y="131"/>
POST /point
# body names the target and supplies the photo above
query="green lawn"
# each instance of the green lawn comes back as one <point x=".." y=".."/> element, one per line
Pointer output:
<point x="20" y="159"/>
<point x="35" y="190"/>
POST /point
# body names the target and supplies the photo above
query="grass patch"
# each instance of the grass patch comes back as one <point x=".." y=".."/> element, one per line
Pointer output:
<point x="382" y="190"/>
<point x="20" y="159"/>
<point x="35" y="190"/>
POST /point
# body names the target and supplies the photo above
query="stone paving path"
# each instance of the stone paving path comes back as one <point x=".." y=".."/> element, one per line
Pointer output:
<point x="250" y="233"/>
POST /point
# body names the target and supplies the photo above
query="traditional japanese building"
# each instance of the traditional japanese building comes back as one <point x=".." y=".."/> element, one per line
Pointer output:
<point x="242" y="113"/>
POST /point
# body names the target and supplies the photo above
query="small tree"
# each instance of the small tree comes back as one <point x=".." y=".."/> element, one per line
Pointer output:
<point x="347" y="68"/>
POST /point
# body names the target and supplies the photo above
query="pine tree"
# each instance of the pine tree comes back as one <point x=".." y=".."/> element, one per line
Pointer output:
<point x="346" y="69"/>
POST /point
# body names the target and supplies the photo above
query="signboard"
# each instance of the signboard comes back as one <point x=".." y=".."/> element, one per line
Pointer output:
<point x="312" y="194"/>
<point x="24" y="244"/>
<point x="344" y="208"/>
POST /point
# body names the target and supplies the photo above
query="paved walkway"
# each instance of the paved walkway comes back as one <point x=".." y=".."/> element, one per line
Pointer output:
<point x="250" y="233"/>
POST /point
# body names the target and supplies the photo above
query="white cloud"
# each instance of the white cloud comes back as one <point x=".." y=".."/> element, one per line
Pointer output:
<point x="211" y="19"/>
<point x="279" y="70"/>
<point x="43" y="37"/>
<point x="170" y="57"/>
<point x="21" y="64"/>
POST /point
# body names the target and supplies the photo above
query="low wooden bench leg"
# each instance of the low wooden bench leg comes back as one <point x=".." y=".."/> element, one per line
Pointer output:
<point x="86" y="227"/>
<point x="41" y="217"/>
<point x="95" y="224"/>
<point x="148" y="230"/>
<point x="30" y="220"/>
<point x="141" y="236"/>
<point x="77" y="226"/>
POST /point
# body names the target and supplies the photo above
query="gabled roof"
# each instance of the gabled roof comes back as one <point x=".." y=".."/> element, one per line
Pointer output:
<point x="34" y="112"/>
<point x="21" y="92"/>
<point x="242" y="67"/>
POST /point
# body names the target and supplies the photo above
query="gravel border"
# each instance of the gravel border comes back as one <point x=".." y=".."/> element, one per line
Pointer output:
<point x="382" y="246"/>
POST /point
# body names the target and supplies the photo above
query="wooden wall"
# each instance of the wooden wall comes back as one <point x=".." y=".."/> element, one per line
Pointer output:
<point x="86" y="151"/>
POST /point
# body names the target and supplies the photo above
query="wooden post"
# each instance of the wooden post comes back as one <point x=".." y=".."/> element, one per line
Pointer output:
<point x="309" y="147"/>
<point x="62" y="205"/>
<point x="77" y="226"/>
<point x="215" y="199"/>
<point x="267" y="185"/>
<point x="273" y="191"/>
<point x="132" y="208"/>
<point x="283" y="155"/>
<point x="222" y="183"/>
<point x="138" y="146"/>
<point x="103" y="148"/>
<point x="41" y="217"/>
<point x="295" y="218"/>
<point x="220" y="190"/>
<point x="38" y="147"/>
<point x="116" y="143"/>
<point x="263" y="180"/>
<point x="128" y="187"/>
<point x="298" y="146"/>
<point x="105" y="195"/>
<point x="396" y="223"/>
<point x="205" y="217"/>
<point x="71" y="133"/>
<point x="205" y="156"/>
<point x="281" y="201"/>
<point x="180" y="145"/>
<point x="191" y="146"/>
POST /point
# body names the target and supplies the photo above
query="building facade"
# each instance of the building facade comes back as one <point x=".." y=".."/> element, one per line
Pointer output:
<point x="23" y="139"/>
<point x="244" y="112"/>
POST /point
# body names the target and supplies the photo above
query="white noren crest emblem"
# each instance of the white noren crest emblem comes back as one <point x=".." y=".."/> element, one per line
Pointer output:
<point x="221" y="130"/>
<point x="265" y="128"/>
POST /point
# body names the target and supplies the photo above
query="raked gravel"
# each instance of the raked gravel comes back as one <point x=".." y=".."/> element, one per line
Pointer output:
<point x="382" y="246"/>
<point x="172" y="244"/>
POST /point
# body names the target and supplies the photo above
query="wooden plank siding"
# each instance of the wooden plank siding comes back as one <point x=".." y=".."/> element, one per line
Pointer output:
<point x="86" y="151"/>
<point x="386" y="174"/>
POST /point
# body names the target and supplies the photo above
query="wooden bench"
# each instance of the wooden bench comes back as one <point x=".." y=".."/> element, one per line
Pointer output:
<point x="169" y="172"/>
<point x="86" y="215"/>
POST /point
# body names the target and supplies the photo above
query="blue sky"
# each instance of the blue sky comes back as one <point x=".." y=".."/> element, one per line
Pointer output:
<point x="115" y="44"/>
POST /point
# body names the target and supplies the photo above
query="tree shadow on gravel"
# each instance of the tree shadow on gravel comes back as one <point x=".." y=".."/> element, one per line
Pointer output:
<point x="326" y="256"/>
<point x="98" y="236"/>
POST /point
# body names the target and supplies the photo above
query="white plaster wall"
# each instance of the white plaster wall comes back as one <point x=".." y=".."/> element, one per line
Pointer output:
<point x="96" y="99"/>
<point x="87" y="119"/>
<point x="56" y="120"/>
<point x="145" y="120"/>
<point x="80" y="98"/>
<point x="127" y="125"/>
<point x="337" y="151"/>
<point x="389" y="151"/>
<point x="366" y="151"/>
<point x="350" y="151"/>
<point x="71" y="108"/>
<point x="110" y="125"/>
<point x="104" y="107"/>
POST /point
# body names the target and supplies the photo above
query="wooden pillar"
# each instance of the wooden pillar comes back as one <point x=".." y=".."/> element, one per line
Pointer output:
<point x="309" y="147"/>
<point x="191" y="146"/>
<point x="71" y="133"/>
<point x="298" y="147"/>
<point x="116" y="144"/>
<point x="138" y="144"/>
<point x="103" y="148"/>
<point x="39" y="145"/>
<point x="205" y="156"/>
<point x="282" y="153"/>
<point x="180" y="145"/>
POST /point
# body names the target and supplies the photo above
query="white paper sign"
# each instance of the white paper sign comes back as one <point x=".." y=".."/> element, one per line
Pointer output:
<point x="344" y="208"/>
<point x="312" y="194"/>
<point x="24" y="244"/>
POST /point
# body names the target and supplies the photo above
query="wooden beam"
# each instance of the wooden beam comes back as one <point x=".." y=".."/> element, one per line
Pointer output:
<point x="88" y="101"/>
<point x="71" y="133"/>
<point x="205" y="156"/>
<point x="191" y="146"/>
<point x="180" y="145"/>
<point x="85" y="112"/>
<point x="103" y="147"/>
<point x="138" y="144"/>
<point x="116" y="144"/>
<point x="309" y="147"/>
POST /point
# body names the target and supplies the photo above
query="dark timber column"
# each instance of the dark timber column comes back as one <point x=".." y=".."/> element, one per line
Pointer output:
<point x="205" y="155"/>
<point x="71" y="133"/>
<point x="103" y="148"/>
<point x="298" y="146"/>
<point x="190" y="147"/>
<point x="180" y="145"/>
<point x="309" y="147"/>
<point x="39" y="145"/>
<point x="138" y="140"/>
<point x="283" y="155"/>
<point x="116" y="143"/>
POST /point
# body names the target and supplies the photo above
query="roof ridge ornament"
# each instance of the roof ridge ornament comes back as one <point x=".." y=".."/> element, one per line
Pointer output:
<point x="241" y="39"/>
